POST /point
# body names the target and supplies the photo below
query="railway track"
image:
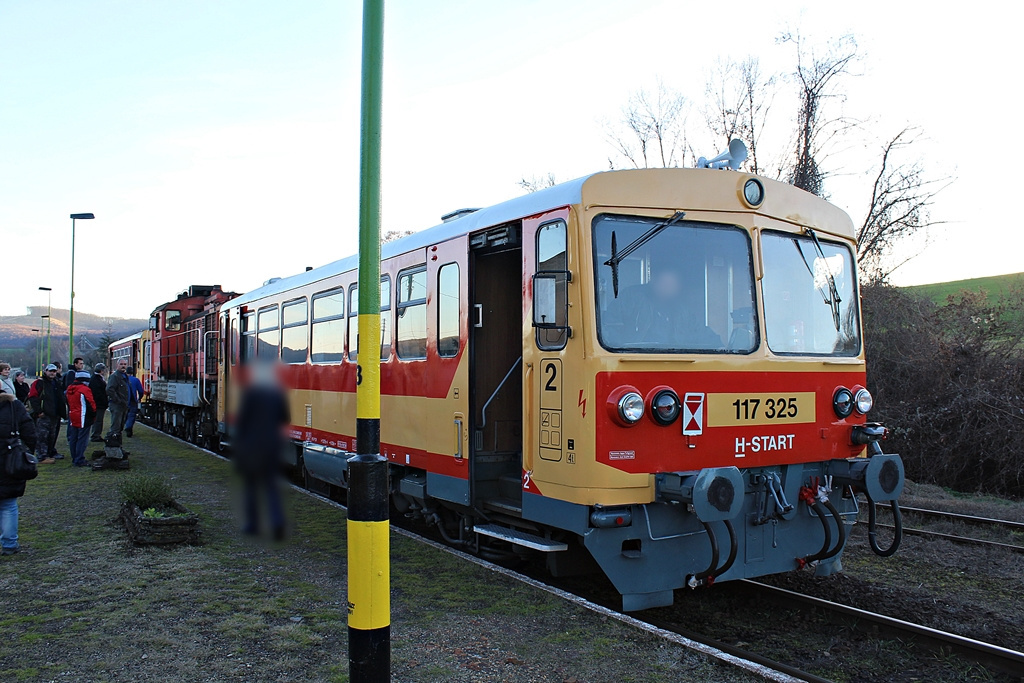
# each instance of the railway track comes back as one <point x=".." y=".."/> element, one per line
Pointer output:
<point x="985" y="654"/>
<point x="958" y="517"/>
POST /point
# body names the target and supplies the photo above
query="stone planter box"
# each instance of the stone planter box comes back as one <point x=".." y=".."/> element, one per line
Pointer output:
<point x="144" y="530"/>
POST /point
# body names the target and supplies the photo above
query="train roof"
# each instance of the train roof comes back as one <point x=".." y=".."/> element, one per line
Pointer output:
<point x="620" y="188"/>
<point x="513" y="209"/>
<point x="131" y="337"/>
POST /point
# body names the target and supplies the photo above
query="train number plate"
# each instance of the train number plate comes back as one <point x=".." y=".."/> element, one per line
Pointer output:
<point x="731" y="410"/>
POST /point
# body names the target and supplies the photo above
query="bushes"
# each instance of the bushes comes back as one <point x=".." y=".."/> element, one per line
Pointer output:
<point x="949" y="383"/>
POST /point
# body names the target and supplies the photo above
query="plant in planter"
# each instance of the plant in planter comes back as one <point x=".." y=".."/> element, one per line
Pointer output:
<point x="152" y="516"/>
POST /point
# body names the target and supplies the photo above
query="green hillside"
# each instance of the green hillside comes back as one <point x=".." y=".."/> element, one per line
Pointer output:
<point x="994" y="286"/>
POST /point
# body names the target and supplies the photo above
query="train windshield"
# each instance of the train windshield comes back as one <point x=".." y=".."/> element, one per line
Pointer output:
<point x="810" y="296"/>
<point x="673" y="286"/>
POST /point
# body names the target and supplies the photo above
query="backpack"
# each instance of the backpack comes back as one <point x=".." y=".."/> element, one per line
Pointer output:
<point x="18" y="462"/>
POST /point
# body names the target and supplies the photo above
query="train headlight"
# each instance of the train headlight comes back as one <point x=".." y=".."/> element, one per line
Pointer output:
<point x="863" y="401"/>
<point x="631" y="407"/>
<point x="665" y="407"/>
<point x="753" y="192"/>
<point x="842" y="402"/>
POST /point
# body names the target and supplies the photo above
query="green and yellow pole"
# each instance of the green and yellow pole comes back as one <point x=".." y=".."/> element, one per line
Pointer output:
<point x="369" y="599"/>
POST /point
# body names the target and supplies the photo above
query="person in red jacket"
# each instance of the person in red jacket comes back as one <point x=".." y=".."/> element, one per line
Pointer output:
<point x="81" y="413"/>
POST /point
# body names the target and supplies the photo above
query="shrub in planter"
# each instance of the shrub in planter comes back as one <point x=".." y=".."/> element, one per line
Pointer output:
<point x="152" y="516"/>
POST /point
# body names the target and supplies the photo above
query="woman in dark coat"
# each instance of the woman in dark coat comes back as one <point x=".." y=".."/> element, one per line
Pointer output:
<point x="21" y="386"/>
<point x="12" y="412"/>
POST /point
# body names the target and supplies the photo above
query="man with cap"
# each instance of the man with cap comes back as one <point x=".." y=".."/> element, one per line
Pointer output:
<point x="118" y="395"/>
<point x="81" y="411"/>
<point x="47" y="407"/>
<point x="98" y="386"/>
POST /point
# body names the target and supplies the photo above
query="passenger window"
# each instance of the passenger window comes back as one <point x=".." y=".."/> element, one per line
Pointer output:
<point x="385" y="317"/>
<point x="248" y="337"/>
<point x="448" y="311"/>
<point x="552" y="262"/>
<point x="353" y="322"/>
<point x="268" y="336"/>
<point x="328" y="344"/>
<point x="412" y="314"/>
<point x="294" y="336"/>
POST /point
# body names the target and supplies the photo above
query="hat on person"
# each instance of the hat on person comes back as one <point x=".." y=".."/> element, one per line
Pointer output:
<point x="99" y="367"/>
<point x="51" y="366"/>
<point x="82" y="374"/>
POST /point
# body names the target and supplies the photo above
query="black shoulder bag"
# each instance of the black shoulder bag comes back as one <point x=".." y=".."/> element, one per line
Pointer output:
<point x="18" y="463"/>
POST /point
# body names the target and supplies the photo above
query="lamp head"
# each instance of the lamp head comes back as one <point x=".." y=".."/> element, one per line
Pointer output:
<point x="82" y="216"/>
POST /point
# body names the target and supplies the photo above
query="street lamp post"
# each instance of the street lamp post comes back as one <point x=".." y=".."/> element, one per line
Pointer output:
<point x="47" y="316"/>
<point x="71" y="314"/>
<point x="39" y="341"/>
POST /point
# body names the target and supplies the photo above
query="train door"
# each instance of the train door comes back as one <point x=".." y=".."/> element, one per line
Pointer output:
<point x="496" y="368"/>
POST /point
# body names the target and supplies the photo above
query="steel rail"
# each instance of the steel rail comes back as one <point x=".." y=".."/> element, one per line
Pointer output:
<point x="996" y="656"/>
<point x="971" y="519"/>
<point x="958" y="539"/>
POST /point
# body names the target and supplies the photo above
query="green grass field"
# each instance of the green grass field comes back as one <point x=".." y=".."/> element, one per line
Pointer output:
<point x="995" y="286"/>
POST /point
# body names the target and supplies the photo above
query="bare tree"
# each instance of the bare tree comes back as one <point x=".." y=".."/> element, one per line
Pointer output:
<point x="901" y="196"/>
<point x="737" y="100"/>
<point x="817" y="79"/>
<point x="652" y="131"/>
<point x="533" y="183"/>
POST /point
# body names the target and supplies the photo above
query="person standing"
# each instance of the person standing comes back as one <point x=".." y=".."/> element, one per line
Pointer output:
<point x="46" y="406"/>
<point x="6" y="384"/>
<point x="117" y="398"/>
<point x="12" y="414"/>
<point x="21" y="387"/>
<point x="262" y="418"/>
<point x="59" y="387"/>
<point x="98" y="386"/>
<point x="134" y="397"/>
<point x="76" y="366"/>
<point x="81" y="412"/>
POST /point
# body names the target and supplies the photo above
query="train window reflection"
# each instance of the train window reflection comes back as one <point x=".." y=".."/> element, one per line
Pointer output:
<point x="412" y="314"/>
<point x="802" y="314"/>
<point x="294" y="334"/>
<point x="684" y="287"/>
<point x="328" y="343"/>
<point x="448" y="311"/>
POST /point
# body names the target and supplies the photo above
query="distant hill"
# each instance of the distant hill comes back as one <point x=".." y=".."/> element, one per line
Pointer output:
<point x="994" y="286"/>
<point x="18" y="341"/>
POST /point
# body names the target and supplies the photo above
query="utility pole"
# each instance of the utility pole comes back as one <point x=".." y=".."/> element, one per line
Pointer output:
<point x="369" y="578"/>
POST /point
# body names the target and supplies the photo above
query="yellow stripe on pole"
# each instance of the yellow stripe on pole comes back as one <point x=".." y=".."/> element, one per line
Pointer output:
<point x="368" y="357"/>
<point x="369" y="596"/>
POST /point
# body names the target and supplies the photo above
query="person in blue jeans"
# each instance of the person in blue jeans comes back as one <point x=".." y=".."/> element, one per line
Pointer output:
<point x="134" y="398"/>
<point x="12" y="414"/>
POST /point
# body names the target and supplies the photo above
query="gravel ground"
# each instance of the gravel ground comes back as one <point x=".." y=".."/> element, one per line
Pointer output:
<point x="81" y="604"/>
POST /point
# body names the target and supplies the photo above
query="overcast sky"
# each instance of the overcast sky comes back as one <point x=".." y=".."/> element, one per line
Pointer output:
<point x="217" y="141"/>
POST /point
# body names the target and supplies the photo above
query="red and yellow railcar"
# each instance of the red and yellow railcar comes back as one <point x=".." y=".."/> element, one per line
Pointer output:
<point x="657" y="372"/>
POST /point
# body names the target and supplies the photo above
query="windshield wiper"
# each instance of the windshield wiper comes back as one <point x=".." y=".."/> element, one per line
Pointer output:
<point x="832" y="298"/>
<point x="618" y="256"/>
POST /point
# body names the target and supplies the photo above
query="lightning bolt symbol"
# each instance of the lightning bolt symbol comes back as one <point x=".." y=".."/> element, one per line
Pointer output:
<point x="583" y="403"/>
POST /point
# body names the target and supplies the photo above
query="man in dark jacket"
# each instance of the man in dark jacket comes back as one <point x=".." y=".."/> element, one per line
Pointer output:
<point x="12" y="413"/>
<point x="262" y="418"/>
<point x="98" y="387"/>
<point x="76" y="367"/>
<point x="47" y="407"/>
<point x="117" y="397"/>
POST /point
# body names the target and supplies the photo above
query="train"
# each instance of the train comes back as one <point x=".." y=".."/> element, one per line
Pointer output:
<point x="655" y="374"/>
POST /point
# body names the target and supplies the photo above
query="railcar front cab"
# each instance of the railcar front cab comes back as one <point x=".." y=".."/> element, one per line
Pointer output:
<point x="731" y="373"/>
